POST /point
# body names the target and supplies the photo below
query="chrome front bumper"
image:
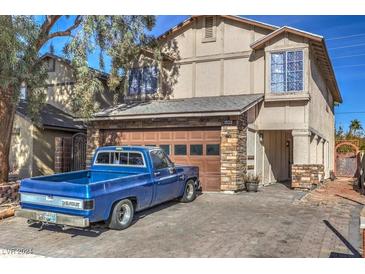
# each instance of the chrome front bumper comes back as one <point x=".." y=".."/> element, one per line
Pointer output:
<point x="61" y="219"/>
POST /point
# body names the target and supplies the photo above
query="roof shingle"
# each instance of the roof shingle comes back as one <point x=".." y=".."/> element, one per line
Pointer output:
<point x="228" y="103"/>
<point x="51" y="116"/>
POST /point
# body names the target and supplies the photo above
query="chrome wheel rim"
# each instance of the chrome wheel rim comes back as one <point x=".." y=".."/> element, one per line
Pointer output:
<point x="189" y="191"/>
<point x="124" y="214"/>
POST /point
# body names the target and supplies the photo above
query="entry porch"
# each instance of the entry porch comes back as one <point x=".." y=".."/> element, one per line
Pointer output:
<point x="300" y="157"/>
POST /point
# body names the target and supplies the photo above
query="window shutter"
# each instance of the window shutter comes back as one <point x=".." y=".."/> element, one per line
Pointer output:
<point x="209" y="24"/>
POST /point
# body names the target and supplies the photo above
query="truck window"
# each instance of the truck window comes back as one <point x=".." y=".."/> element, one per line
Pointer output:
<point x="123" y="158"/>
<point x="159" y="160"/>
<point x="103" y="158"/>
<point x="135" y="159"/>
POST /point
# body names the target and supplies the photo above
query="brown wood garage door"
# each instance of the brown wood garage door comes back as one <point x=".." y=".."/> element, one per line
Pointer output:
<point x="199" y="147"/>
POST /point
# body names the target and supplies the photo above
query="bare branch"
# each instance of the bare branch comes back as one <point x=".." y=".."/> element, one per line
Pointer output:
<point x="45" y="34"/>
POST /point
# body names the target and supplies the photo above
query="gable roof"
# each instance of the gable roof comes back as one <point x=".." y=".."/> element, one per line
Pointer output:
<point x="319" y="48"/>
<point x="187" y="107"/>
<point x="100" y="73"/>
<point x="191" y="19"/>
<point x="51" y="117"/>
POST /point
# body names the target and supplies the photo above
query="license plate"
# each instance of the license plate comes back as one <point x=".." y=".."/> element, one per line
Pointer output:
<point x="47" y="217"/>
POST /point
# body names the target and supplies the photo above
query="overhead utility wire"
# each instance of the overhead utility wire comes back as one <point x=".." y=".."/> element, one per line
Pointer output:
<point x="350" y="46"/>
<point x="348" y="56"/>
<point x="344" y="37"/>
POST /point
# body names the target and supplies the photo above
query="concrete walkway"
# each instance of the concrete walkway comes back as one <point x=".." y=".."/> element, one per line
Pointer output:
<point x="275" y="222"/>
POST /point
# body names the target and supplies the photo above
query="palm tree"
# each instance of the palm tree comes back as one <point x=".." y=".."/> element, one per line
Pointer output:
<point x="355" y="127"/>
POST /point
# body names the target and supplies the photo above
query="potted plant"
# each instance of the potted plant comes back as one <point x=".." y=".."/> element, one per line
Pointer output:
<point x="251" y="182"/>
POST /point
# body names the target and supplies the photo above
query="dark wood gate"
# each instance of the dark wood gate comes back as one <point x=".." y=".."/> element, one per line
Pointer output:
<point x="347" y="160"/>
<point x="79" y="151"/>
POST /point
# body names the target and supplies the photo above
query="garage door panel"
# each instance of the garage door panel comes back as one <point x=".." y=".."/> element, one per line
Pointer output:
<point x="136" y="136"/>
<point x="211" y="183"/>
<point x="213" y="136"/>
<point x="199" y="164"/>
<point x="150" y="136"/>
<point x="196" y="136"/>
<point x="165" y="135"/>
<point x="181" y="160"/>
<point x="180" y="136"/>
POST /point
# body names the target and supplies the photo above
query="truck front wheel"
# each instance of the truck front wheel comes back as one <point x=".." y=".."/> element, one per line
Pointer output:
<point x="122" y="215"/>
<point x="189" y="193"/>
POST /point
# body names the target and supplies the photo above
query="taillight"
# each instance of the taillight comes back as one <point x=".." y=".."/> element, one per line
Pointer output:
<point x="88" y="204"/>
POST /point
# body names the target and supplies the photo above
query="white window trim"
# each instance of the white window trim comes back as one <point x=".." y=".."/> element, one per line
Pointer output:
<point x="119" y="151"/>
<point x="286" y="71"/>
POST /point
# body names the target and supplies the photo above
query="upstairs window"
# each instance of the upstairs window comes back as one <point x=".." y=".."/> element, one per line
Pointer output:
<point x="143" y="80"/>
<point x="287" y="71"/>
<point x="23" y="92"/>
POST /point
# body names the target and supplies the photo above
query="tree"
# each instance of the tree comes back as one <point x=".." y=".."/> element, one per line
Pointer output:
<point x="355" y="128"/>
<point x="339" y="133"/>
<point x="22" y="38"/>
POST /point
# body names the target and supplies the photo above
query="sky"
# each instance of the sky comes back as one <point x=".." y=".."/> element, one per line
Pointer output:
<point x="345" y="39"/>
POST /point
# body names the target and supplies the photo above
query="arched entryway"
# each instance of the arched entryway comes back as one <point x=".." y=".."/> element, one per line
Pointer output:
<point x="347" y="160"/>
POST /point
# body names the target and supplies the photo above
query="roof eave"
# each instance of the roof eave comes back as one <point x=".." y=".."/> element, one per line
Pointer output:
<point x="175" y="114"/>
<point x="231" y="17"/>
<point x="262" y="41"/>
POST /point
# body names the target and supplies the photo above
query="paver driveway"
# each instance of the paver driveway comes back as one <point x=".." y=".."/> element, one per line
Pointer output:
<point x="270" y="223"/>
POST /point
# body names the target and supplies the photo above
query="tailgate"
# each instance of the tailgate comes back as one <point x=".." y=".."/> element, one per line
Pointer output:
<point x="55" y="196"/>
<point x="40" y="185"/>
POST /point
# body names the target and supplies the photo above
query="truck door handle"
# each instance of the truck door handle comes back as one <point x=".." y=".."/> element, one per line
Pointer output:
<point x="157" y="173"/>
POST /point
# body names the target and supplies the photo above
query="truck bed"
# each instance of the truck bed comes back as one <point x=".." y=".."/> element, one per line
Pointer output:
<point x="85" y="176"/>
<point x="79" y="184"/>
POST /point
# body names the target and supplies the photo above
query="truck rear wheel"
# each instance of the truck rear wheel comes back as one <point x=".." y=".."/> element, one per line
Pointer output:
<point x="122" y="215"/>
<point x="189" y="193"/>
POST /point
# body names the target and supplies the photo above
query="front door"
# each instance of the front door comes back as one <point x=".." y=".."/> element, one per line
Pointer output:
<point x="165" y="177"/>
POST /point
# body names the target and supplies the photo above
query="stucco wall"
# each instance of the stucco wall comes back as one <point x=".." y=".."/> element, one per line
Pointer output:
<point x="225" y="66"/>
<point x="321" y="105"/>
<point x="60" y="84"/>
<point x="44" y="150"/>
<point x="21" y="149"/>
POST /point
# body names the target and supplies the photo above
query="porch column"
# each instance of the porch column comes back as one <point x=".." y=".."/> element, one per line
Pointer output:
<point x="305" y="174"/>
<point x="233" y="154"/>
<point x="301" y="146"/>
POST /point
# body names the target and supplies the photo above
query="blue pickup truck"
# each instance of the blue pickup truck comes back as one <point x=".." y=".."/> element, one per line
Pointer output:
<point x="121" y="181"/>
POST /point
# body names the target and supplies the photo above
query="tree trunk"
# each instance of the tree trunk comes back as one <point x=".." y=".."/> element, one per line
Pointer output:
<point x="7" y="113"/>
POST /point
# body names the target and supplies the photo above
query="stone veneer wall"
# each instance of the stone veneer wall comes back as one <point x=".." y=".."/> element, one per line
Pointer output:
<point x="306" y="176"/>
<point x="9" y="192"/>
<point x="234" y="154"/>
<point x="233" y="140"/>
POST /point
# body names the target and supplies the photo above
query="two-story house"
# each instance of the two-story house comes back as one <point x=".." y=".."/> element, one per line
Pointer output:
<point x="57" y="142"/>
<point x="240" y="97"/>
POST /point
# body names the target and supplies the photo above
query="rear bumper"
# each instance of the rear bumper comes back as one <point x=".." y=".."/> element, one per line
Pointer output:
<point x="61" y="219"/>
